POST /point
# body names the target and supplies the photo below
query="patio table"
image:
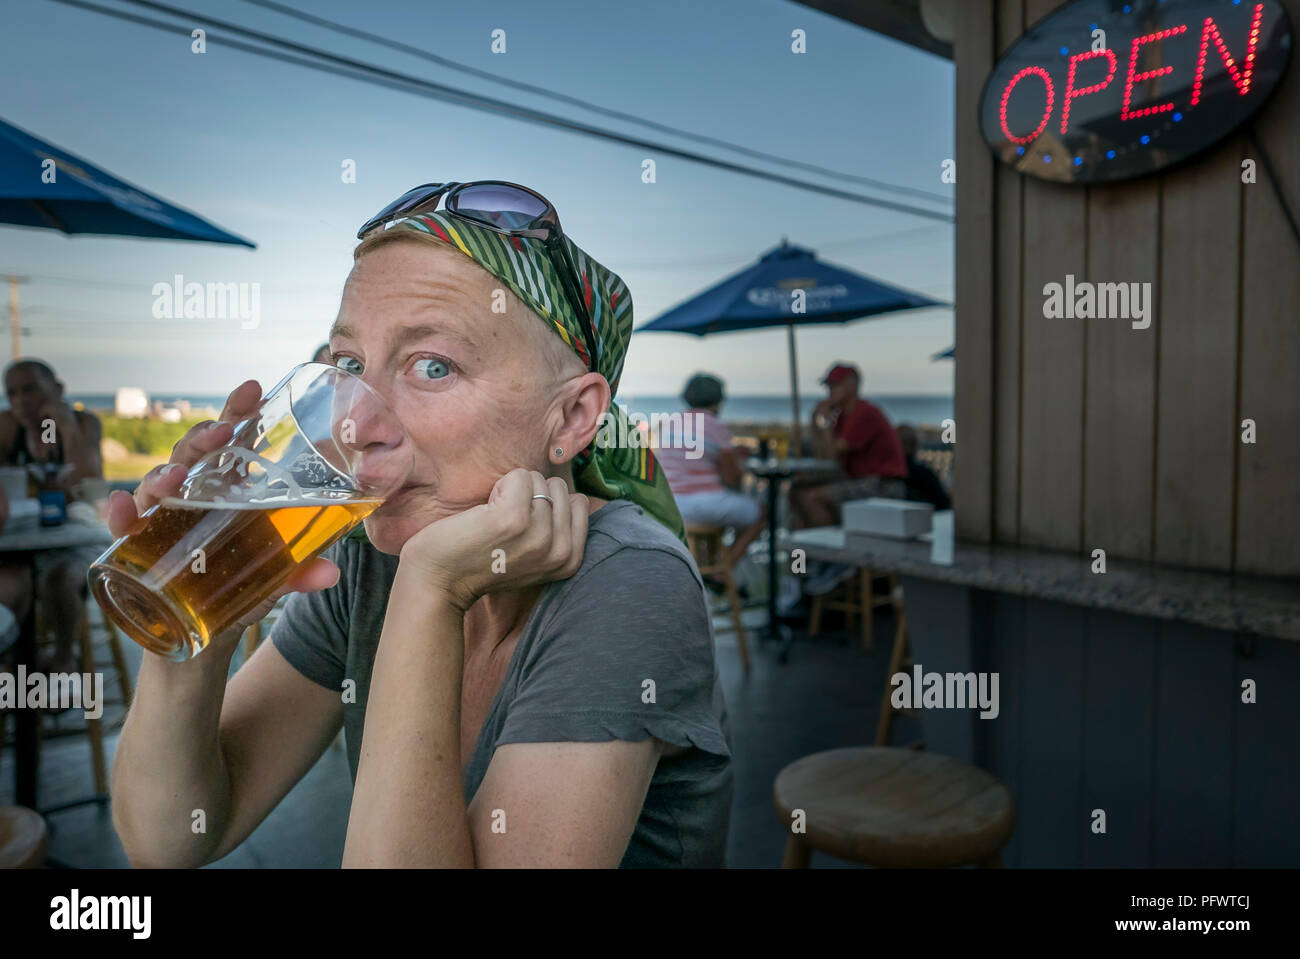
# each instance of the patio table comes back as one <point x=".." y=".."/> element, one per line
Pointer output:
<point x="24" y="544"/>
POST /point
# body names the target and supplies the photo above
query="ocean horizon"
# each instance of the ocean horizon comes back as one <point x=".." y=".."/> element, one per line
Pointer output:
<point x="775" y="408"/>
<point x="741" y="408"/>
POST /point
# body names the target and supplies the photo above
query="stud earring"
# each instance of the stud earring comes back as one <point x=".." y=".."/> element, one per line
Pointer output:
<point x="559" y="451"/>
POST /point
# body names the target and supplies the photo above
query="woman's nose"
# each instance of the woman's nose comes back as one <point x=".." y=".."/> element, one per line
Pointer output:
<point x="369" y="423"/>
<point x="378" y="446"/>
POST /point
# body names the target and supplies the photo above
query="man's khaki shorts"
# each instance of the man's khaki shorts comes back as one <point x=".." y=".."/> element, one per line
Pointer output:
<point x="865" y="487"/>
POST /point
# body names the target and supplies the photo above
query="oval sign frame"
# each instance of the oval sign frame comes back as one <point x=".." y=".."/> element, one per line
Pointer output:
<point x="1121" y="117"/>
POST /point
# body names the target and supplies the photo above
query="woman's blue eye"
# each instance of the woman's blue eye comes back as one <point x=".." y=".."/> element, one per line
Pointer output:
<point x="343" y="362"/>
<point x="433" y="369"/>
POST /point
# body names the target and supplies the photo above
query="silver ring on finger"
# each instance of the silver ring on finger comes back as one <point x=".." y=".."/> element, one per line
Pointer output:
<point x="545" y="497"/>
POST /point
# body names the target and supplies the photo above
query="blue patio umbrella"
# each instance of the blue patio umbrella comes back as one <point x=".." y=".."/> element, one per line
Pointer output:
<point x="789" y="287"/>
<point x="74" y="196"/>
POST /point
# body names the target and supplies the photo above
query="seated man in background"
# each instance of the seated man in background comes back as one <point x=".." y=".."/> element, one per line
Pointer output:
<point x="855" y="432"/>
<point x="923" y="484"/>
<point x="705" y="476"/>
<point x="40" y="427"/>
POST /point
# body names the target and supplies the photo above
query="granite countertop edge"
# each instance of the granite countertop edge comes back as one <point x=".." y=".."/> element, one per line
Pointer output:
<point x="1141" y="591"/>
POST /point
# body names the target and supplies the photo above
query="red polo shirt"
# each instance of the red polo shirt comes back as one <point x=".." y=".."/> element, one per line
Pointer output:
<point x="874" y="446"/>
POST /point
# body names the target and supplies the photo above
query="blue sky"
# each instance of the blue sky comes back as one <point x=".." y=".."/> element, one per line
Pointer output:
<point x="257" y="147"/>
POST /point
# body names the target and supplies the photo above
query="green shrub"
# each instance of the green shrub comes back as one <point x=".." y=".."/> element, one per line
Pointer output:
<point x="152" y="437"/>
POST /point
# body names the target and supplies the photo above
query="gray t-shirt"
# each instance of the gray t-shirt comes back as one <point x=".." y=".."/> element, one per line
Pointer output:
<point x="634" y="611"/>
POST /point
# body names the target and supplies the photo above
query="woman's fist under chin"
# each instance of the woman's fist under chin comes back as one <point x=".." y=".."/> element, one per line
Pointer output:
<point x="531" y="530"/>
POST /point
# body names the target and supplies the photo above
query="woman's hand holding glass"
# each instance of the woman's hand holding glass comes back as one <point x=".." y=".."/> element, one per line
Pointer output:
<point x="125" y="512"/>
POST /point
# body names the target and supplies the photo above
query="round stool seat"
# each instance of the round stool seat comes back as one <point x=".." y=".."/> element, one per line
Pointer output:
<point x="896" y="808"/>
<point x="23" y="838"/>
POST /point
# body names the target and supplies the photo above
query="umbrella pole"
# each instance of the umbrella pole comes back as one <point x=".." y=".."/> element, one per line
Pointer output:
<point x="17" y="331"/>
<point x="796" y="436"/>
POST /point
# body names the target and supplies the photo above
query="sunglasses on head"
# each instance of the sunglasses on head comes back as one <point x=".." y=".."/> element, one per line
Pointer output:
<point x="506" y="208"/>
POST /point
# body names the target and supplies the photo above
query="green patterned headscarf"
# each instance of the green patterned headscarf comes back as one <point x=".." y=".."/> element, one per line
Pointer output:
<point x="611" y="467"/>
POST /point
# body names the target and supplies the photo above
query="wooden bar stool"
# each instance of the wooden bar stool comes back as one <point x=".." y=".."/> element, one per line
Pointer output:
<point x="255" y="633"/>
<point x="117" y="663"/>
<point x="852" y="604"/>
<point x="894" y="808"/>
<point x="23" y="838"/>
<point x="115" y="670"/>
<point x="900" y="660"/>
<point x="252" y="639"/>
<point x="705" y="543"/>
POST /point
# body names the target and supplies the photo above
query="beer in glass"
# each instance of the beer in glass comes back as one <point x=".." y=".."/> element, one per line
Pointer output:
<point x="317" y="457"/>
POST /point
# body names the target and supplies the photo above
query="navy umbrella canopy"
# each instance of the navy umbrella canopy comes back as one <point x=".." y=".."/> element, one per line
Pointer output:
<point x="85" y="199"/>
<point x="789" y="287"/>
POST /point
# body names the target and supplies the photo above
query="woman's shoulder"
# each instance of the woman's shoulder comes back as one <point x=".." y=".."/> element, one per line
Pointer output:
<point x="623" y="527"/>
<point x="636" y="579"/>
<point x="626" y="641"/>
<point x="636" y="603"/>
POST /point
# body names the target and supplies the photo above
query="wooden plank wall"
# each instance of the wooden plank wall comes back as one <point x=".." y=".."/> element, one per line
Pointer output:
<point x="1269" y="389"/>
<point x="1010" y="191"/>
<point x="1140" y="718"/>
<point x="973" y="378"/>
<point x="1053" y="239"/>
<point x="1120" y="392"/>
<point x="1197" y="369"/>
<point x="1084" y="434"/>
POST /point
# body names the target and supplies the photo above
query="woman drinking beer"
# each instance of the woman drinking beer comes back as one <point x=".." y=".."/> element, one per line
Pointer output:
<point x="520" y="630"/>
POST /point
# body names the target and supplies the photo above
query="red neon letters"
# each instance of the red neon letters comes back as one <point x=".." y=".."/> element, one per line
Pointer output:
<point x="1242" y="78"/>
<point x="1071" y="93"/>
<point x="1047" y="111"/>
<point x="1126" y="113"/>
<point x="1240" y="73"/>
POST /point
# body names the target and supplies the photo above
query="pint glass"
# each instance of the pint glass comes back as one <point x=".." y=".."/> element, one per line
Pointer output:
<point x="317" y="457"/>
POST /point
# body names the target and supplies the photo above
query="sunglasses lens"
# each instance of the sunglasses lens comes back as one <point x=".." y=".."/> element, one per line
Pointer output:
<point x="501" y="206"/>
<point x="405" y="203"/>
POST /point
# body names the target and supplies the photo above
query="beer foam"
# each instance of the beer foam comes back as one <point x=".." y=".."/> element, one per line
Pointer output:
<point x="228" y="470"/>
<point x="296" y="502"/>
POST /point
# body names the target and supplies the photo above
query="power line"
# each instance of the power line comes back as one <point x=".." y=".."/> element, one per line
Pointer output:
<point x="726" y="259"/>
<point x="587" y="104"/>
<point x="364" y="71"/>
<point x="672" y="263"/>
<point x="143" y="285"/>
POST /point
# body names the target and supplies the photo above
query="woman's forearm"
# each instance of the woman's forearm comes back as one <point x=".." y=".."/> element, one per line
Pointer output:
<point x="83" y="458"/>
<point x="408" y="805"/>
<point x="169" y="765"/>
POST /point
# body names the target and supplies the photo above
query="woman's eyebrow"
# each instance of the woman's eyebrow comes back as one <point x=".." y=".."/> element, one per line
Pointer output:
<point x="405" y="334"/>
<point x="409" y="334"/>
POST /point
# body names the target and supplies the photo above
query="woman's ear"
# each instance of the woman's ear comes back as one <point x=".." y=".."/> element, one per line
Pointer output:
<point x="585" y="400"/>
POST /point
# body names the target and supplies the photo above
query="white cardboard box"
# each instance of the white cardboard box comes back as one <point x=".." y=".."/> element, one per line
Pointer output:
<point x="23" y="514"/>
<point x="892" y="518"/>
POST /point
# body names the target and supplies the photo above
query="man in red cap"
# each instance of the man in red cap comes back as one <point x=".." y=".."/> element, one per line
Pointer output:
<point x="856" y="432"/>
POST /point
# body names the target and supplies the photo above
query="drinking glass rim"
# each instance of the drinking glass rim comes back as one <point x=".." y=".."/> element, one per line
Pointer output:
<point x="284" y="383"/>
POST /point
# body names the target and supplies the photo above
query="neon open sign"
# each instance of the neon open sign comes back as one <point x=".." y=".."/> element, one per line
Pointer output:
<point x="1104" y="90"/>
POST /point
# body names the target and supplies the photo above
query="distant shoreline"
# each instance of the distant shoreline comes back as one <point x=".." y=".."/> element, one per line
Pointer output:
<point x="741" y="409"/>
